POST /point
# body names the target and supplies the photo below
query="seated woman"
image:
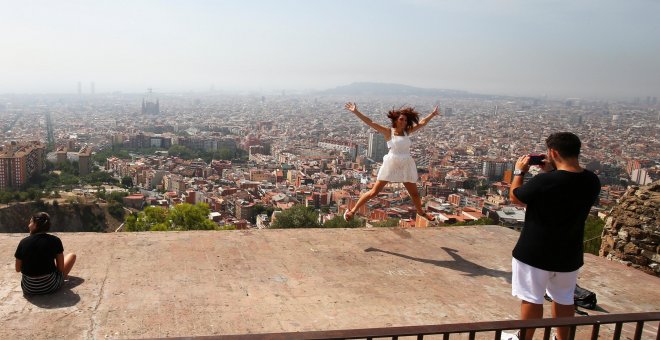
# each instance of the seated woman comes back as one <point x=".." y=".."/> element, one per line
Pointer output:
<point x="40" y="258"/>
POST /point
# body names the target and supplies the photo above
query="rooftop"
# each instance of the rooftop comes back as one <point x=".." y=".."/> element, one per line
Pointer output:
<point x="163" y="284"/>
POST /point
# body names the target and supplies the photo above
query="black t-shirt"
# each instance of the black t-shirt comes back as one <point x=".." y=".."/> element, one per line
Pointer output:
<point x="37" y="253"/>
<point x="558" y="203"/>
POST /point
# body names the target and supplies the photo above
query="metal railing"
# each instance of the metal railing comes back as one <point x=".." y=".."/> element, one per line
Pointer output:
<point x="471" y="329"/>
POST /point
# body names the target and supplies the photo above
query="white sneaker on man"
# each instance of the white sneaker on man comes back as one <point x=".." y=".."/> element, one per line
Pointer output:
<point x="516" y="336"/>
<point x="509" y="336"/>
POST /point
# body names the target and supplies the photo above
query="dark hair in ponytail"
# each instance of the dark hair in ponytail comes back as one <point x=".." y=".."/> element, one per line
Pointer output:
<point x="41" y="221"/>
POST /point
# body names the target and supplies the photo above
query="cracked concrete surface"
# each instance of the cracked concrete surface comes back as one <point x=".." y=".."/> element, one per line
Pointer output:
<point x="136" y="285"/>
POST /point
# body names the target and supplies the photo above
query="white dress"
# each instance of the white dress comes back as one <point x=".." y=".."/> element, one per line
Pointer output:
<point x="398" y="164"/>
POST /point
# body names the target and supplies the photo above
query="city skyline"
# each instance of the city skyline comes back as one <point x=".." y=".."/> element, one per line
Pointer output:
<point x="590" y="49"/>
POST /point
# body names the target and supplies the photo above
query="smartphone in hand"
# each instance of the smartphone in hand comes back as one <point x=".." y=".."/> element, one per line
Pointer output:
<point x="536" y="159"/>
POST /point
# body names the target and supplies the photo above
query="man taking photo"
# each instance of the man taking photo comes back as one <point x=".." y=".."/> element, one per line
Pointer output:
<point x="550" y="249"/>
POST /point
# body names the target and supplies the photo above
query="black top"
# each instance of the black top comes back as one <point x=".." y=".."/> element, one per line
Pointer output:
<point x="38" y="253"/>
<point x="558" y="203"/>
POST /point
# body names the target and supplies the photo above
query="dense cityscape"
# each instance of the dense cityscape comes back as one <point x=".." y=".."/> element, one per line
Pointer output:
<point x="250" y="156"/>
<point x="330" y="169"/>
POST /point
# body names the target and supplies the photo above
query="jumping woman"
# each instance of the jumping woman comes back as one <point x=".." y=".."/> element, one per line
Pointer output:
<point x="398" y="164"/>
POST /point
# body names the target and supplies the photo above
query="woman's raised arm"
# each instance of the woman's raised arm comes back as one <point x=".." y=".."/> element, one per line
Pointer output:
<point x="353" y="108"/>
<point x="425" y="120"/>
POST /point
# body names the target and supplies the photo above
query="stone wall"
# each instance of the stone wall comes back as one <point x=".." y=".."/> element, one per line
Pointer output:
<point x="65" y="217"/>
<point x="632" y="231"/>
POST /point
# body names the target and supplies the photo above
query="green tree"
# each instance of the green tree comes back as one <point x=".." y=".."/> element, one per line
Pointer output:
<point x="68" y="179"/>
<point x="225" y="227"/>
<point x="225" y="154"/>
<point x="116" y="210"/>
<point x="133" y="222"/>
<point x="117" y="150"/>
<point x="98" y="178"/>
<point x="470" y="183"/>
<point x="34" y="194"/>
<point x="261" y="209"/>
<point x="116" y="196"/>
<point x="482" y="190"/>
<point x="65" y="166"/>
<point x="153" y="215"/>
<point x="186" y="216"/>
<point x="339" y="222"/>
<point x="127" y="181"/>
<point x="6" y="197"/>
<point x="388" y="223"/>
<point x="23" y="196"/>
<point x="146" y="219"/>
<point x="593" y="229"/>
<point x="298" y="216"/>
<point x="180" y="217"/>
<point x="101" y="194"/>
<point x="481" y="221"/>
<point x="159" y="227"/>
<point x="181" y="152"/>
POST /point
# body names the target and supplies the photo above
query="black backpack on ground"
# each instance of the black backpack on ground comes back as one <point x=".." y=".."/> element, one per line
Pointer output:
<point x="582" y="298"/>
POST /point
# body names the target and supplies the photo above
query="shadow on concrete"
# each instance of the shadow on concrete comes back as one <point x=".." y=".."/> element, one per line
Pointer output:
<point x="62" y="298"/>
<point x="457" y="263"/>
<point x="579" y="311"/>
<point x="601" y="309"/>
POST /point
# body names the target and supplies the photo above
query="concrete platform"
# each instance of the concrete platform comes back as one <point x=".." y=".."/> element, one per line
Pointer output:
<point x="158" y="284"/>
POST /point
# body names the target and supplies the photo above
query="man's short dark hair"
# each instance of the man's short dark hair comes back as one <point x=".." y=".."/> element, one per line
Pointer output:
<point x="566" y="143"/>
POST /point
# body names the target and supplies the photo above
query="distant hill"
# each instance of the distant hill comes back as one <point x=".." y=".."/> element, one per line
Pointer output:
<point x="384" y="89"/>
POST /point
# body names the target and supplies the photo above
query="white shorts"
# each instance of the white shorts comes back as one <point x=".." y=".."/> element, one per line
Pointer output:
<point x="530" y="284"/>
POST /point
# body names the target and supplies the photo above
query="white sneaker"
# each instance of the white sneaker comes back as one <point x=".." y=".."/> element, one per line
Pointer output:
<point x="509" y="336"/>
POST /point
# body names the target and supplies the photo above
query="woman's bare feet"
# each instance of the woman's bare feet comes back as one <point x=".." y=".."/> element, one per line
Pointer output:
<point x="348" y="215"/>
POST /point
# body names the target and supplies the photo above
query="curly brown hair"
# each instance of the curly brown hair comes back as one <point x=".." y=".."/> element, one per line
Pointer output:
<point x="410" y="113"/>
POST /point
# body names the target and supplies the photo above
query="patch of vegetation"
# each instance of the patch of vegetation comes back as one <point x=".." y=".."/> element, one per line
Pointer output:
<point x="593" y="229"/>
<point x="223" y="153"/>
<point x="388" y="223"/>
<point x="298" y="216"/>
<point x="339" y="222"/>
<point x="261" y="209"/>
<point x="116" y="210"/>
<point x="481" y="221"/>
<point x="181" y="217"/>
<point x="90" y="219"/>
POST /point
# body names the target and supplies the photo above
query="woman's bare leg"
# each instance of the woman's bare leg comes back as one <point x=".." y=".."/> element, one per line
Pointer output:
<point x="417" y="201"/>
<point x="378" y="186"/>
<point x="69" y="261"/>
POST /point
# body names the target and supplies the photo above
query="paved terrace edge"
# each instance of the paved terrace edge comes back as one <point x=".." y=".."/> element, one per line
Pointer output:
<point x="196" y="283"/>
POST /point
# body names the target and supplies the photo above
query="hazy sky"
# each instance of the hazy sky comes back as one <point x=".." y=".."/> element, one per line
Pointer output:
<point x="604" y="48"/>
